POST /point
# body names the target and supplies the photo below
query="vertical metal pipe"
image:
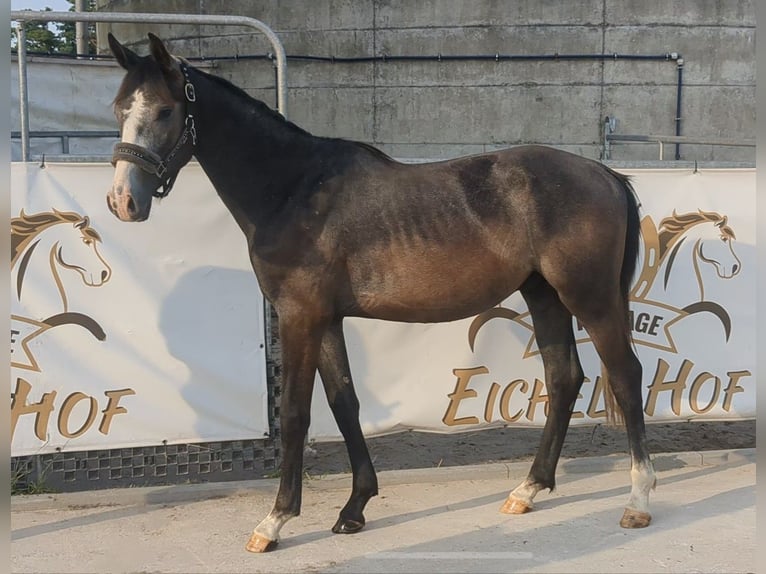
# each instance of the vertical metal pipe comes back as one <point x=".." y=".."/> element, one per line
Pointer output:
<point x="81" y="29"/>
<point x="680" y="68"/>
<point x="21" y="51"/>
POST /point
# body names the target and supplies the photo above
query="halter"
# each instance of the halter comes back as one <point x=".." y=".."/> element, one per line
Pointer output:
<point x="162" y="168"/>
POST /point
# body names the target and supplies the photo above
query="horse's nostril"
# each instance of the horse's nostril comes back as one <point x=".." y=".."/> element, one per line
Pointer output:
<point x="131" y="206"/>
<point x="104" y="275"/>
<point x="734" y="268"/>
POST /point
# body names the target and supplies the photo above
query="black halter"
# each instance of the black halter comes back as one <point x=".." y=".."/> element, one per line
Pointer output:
<point x="164" y="169"/>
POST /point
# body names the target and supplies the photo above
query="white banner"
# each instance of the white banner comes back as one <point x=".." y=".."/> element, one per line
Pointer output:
<point x="693" y="326"/>
<point x="139" y="334"/>
<point x="129" y="334"/>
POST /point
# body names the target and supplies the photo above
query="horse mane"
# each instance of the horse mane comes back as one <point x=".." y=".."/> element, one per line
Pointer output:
<point x="25" y="227"/>
<point x="372" y="149"/>
<point x="247" y="99"/>
<point x="672" y="227"/>
<point x="267" y="111"/>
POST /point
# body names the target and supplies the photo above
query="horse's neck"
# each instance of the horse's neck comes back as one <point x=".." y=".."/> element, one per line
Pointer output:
<point x="35" y="277"/>
<point x="252" y="156"/>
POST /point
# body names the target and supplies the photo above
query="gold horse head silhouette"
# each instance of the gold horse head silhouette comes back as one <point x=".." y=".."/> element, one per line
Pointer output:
<point x="63" y="241"/>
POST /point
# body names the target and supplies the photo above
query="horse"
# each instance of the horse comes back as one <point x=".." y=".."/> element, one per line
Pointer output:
<point x="712" y="246"/>
<point x="57" y="242"/>
<point x="336" y="228"/>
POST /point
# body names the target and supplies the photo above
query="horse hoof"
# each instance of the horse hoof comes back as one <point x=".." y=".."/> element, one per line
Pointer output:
<point x="347" y="526"/>
<point x="635" y="519"/>
<point x="515" y="505"/>
<point x="260" y="544"/>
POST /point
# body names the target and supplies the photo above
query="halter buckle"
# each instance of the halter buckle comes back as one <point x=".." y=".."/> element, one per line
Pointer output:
<point x="189" y="92"/>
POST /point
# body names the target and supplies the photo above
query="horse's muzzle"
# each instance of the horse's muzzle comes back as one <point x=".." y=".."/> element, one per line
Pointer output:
<point x="124" y="207"/>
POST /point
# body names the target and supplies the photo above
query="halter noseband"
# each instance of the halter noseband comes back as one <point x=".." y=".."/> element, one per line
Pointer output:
<point x="162" y="168"/>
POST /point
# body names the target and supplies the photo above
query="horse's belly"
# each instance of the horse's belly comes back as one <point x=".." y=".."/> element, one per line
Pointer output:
<point x="433" y="284"/>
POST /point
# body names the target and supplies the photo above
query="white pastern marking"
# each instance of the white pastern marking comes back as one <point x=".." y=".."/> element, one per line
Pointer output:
<point x="526" y="491"/>
<point x="643" y="480"/>
<point x="270" y="526"/>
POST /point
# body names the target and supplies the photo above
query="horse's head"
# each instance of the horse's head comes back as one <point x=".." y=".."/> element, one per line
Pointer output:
<point x="719" y="250"/>
<point x="79" y="251"/>
<point x="154" y="110"/>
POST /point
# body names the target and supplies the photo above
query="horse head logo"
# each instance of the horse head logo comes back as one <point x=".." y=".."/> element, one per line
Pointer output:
<point x="699" y="245"/>
<point x="56" y="244"/>
<point x="712" y="242"/>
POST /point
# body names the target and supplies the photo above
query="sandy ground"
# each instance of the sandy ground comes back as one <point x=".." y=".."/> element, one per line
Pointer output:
<point x="427" y="450"/>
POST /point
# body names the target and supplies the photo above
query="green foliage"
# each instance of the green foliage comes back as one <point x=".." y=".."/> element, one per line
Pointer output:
<point x="55" y="38"/>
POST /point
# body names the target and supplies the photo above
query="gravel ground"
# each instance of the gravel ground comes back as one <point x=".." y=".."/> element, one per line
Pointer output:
<point x="426" y="450"/>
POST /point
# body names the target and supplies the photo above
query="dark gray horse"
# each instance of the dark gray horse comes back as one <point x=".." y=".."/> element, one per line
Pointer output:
<point x="336" y="228"/>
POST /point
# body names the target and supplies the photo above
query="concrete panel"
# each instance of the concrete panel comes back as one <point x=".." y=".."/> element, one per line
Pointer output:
<point x="480" y="73"/>
<point x="641" y="109"/>
<point x="681" y="12"/>
<point x="719" y="111"/>
<point x="712" y="55"/>
<point x="284" y="15"/>
<point x="249" y="75"/>
<point x="488" y="41"/>
<point x="307" y="74"/>
<point x="489" y="115"/>
<point x="427" y="13"/>
<point x="642" y="72"/>
<point x="491" y="40"/>
<point x="444" y="109"/>
<point x="302" y="73"/>
<point x="332" y="112"/>
<point x="260" y="74"/>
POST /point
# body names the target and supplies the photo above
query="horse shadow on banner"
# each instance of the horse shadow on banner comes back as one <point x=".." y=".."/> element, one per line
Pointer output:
<point x="210" y="322"/>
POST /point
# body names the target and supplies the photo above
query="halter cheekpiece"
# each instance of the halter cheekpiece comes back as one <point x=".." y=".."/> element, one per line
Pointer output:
<point x="151" y="162"/>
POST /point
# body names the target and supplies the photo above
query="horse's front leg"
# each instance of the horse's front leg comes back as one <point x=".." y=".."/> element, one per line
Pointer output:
<point x="301" y="339"/>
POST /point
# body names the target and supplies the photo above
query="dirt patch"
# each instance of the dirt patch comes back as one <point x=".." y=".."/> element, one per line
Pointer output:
<point x="427" y="450"/>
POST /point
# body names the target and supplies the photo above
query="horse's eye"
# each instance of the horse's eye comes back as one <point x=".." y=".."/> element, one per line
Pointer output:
<point x="164" y="113"/>
<point x="724" y="238"/>
<point x="87" y="241"/>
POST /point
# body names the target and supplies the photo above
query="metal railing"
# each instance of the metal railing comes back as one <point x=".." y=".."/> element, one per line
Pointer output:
<point x="609" y="136"/>
<point x="65" y="135"/>
<point x="22" y="16"/>
<point x="662" y="140"/>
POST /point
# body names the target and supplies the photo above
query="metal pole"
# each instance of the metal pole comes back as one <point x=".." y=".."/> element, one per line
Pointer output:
<point x="81" y="29"/>
<point x="21" y="50"/>
<point x="21" y="16"/>
<point x="148" y="18"/>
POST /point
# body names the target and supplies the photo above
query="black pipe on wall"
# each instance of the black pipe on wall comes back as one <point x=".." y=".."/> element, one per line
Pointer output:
<point x="383" y="58"/>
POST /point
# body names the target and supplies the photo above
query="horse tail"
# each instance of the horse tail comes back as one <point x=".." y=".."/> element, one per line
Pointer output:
<point x="614" y="414"/>
<point x="632" y="240"/>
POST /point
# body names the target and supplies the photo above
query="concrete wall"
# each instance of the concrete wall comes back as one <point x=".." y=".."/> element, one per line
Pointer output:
<point x="443" y="109"/>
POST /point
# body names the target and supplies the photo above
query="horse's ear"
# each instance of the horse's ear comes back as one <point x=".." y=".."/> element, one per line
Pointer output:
<point x="124" y="56"/>
<point x="160" y="53"/>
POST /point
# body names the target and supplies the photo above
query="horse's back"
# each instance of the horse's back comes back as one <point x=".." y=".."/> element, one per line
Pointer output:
<point x="444" y="240"/>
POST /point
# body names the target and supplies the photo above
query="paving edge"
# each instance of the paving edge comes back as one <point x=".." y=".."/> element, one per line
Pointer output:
<point x="510" y="470"/>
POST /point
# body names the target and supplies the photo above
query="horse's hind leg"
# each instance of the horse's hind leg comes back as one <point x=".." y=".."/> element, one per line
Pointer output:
<point x="336" y="378"/>
<point x="606" y="322"/>
<point x="563" y="376"/>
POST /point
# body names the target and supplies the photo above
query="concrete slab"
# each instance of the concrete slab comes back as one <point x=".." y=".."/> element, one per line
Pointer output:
<point x="430" y="520"/>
